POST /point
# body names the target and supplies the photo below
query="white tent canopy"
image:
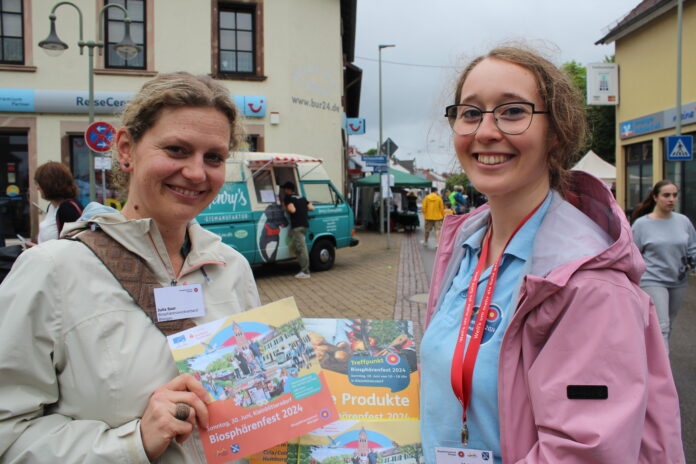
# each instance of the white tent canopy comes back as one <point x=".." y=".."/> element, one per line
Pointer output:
<point x="596" y="166"/>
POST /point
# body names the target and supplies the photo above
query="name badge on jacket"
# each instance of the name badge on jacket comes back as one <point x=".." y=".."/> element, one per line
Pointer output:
<point x="179" y="302"/>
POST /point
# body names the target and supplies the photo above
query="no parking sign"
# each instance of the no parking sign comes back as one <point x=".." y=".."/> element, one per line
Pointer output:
<point x="99" y="135"/>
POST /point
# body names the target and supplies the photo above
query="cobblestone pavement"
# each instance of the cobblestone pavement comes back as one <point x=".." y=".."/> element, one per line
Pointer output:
<point x="367" y="281"/>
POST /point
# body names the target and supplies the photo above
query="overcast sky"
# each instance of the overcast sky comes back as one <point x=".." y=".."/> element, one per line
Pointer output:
<point x="434" y="41"/>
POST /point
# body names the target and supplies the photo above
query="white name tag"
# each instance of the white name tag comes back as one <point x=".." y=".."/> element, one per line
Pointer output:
<point x="179" y="302"/>
<point x="462" y="456"/>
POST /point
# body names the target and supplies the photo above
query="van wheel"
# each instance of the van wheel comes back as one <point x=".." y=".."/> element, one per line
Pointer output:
<point x="323" y="255"/>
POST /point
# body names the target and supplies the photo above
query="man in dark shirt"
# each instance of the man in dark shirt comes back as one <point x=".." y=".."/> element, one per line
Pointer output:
<point x="298" y="206"/>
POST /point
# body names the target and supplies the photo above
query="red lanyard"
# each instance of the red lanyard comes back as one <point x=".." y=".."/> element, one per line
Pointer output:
<point x="463" y="371"/>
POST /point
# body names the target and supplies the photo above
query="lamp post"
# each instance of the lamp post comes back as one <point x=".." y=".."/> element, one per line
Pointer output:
<point x="379" y="148"/>
<point x="126" y="49"/>
<point x="680" y="9"/>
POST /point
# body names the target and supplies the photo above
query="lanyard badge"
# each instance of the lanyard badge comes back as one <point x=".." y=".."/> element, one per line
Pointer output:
<point x="462" y="371"/>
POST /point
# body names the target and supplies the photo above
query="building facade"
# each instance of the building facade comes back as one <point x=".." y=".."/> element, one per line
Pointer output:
<point x="646" y="51"/>
<point x="287" y="63"/>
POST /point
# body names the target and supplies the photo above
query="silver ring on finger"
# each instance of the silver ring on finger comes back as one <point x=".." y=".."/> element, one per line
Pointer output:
<point x="182" y="411"/>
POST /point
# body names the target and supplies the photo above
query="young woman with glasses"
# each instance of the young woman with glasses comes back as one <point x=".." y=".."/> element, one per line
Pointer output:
<point x="540" y="345"/>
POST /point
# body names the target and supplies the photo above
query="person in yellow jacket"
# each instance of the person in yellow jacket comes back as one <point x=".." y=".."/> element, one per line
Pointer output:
<point x="433" y="214"/>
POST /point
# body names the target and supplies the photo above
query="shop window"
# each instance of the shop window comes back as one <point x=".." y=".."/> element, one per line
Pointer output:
<point x="251" y="143"/>
<point x="238" y="41"/>
<point x="11" y="32"/>
<point x="104" y="191"/>
<point x="115" y="27"/>
<point x="639" y="173"/>
<point x="14" y="185"/>
<point x="683" y="174"/>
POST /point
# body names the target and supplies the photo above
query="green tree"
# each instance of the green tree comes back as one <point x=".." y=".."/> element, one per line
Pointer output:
<point x="335" y="459"/>
<point x="456" y="179"/>
<point x="414" y="451"/>
<point x="218" y="365"/>
<point x="183" y="366"/>
<point x="371" y="151"/>
<point x="300" y="454"/>
<point x="601" y="119"/>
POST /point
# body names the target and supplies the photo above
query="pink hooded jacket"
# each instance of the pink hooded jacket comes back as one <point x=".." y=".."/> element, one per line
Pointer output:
<point x="581" y="320"/>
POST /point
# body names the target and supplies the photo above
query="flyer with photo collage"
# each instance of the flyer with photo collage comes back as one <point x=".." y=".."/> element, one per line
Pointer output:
<point x="263" y="376"/>
<point x="372" y="371"/>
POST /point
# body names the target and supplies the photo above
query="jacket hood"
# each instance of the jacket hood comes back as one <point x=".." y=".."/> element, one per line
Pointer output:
<point x="583" y="230"/>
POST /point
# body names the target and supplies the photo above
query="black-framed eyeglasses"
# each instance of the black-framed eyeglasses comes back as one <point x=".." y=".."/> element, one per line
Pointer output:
<point x="512" y="118"/>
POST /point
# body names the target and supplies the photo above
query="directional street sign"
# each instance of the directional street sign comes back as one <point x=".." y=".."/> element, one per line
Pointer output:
<point x="373" y="160"/>
<point x="99" y="135"/>
<point x="389" y="147"/>
<point x="680" y="148"/>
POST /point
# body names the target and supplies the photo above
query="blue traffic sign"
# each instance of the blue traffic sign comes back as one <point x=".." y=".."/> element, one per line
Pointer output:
<point x="680" y="148"/>
<point x="99" y="135"/>
<point x="373" y="160"/>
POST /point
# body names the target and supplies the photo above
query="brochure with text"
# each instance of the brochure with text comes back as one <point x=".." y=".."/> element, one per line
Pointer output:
<point x="261" y="370"/>
<point x="393" y="442"/>
<point x="371" y="369"/>
<point x="370" y="365"/>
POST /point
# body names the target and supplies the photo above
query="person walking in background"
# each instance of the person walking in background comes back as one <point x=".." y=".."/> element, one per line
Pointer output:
<point x="298" y="207"/>
<point x="433" y="214"/>
<point x="445" y="196"/>
<point x="448" y="209"/>
<point x="539" y="345"/>
<point x="56" y="185"/>
<point x="459" y="201"/>
<point x="412" y="201"/>
<point x="667" y="241"/>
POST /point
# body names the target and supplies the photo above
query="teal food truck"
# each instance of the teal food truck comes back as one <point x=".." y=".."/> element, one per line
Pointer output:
<point x="248" y="212"/>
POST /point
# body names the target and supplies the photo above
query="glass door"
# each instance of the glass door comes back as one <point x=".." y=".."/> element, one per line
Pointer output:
<point x="14" y="185"/>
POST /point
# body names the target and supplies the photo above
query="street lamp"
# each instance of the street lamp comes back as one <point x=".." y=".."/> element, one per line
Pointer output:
<point x="379" y="149"/>
<point x="126" y="49"/>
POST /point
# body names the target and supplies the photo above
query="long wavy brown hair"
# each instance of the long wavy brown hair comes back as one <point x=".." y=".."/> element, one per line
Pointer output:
<point x="568" y="122"/>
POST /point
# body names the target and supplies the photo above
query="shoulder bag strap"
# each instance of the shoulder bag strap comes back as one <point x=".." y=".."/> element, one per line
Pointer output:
<point x="132" y="273"/>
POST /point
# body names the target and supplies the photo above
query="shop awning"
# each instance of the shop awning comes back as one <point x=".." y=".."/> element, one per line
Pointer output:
<point x="278" y="159"/>
<point x="401" y="179"/>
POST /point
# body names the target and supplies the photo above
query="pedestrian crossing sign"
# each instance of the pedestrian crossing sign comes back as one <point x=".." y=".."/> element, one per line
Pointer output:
<point x="680" y="148"/>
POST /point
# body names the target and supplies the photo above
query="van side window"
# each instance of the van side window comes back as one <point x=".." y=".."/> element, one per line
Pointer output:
<point x="234" y="171"/>
<point x="321" y="194"/>
<point x="263" y="185"/>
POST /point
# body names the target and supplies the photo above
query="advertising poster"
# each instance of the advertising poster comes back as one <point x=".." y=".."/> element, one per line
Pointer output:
<point x="262" y="373"/>
<point x="603" y="84"/>
<point x="370" y="365"/>
<point x="361" y="442"/>
<point x="372" y="371"/>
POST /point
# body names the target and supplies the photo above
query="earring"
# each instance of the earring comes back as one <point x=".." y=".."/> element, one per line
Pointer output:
<point x="126" y="164"/>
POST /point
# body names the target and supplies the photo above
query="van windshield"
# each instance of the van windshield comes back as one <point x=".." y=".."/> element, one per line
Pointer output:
<point x="321" y="194"/>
